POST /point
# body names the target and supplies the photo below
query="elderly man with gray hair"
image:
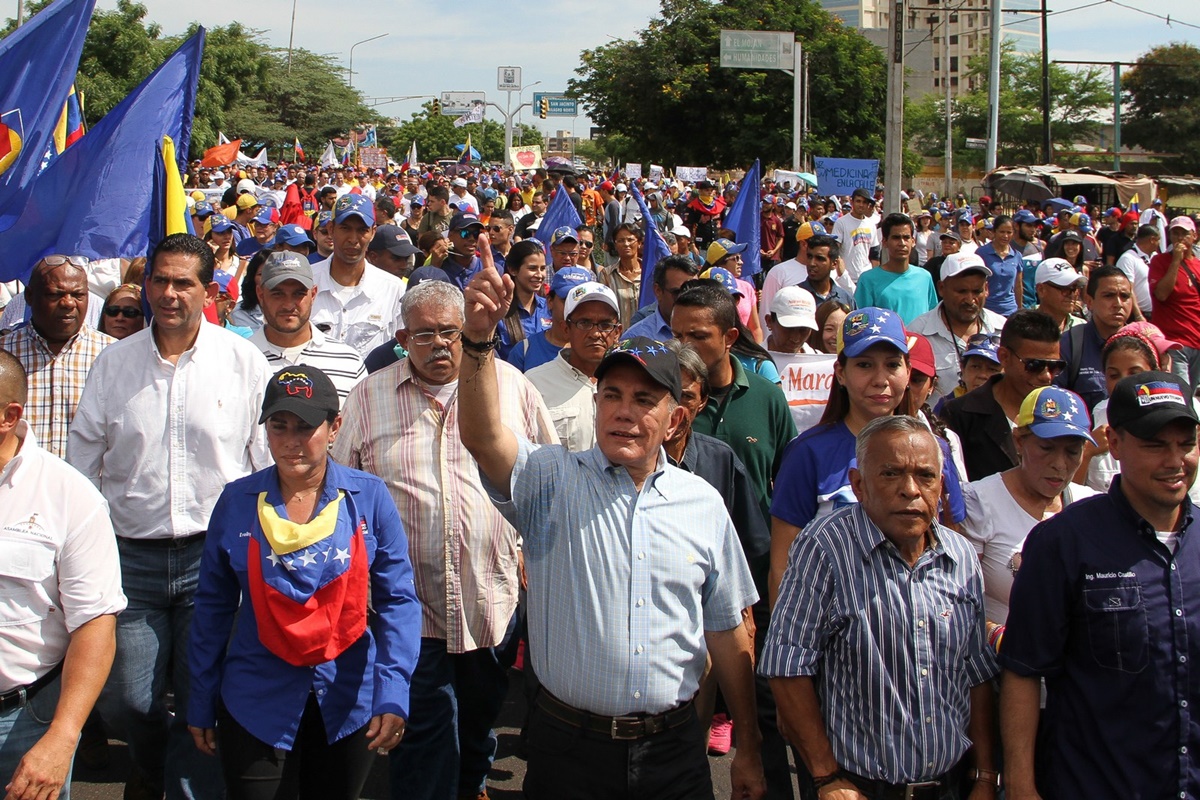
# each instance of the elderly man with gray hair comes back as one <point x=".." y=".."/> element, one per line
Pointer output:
<point x="877" y="651"/>
<point x="401" y="424"/>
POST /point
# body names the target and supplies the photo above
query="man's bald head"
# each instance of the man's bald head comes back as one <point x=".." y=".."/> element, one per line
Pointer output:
<point x="14" y="388"/>
<point x="42" y="270"/>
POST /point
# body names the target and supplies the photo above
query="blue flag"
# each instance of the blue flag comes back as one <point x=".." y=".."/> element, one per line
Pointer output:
<point x="561" y="212"/>
<point x="744" y="220"/>
<point x="654" y="249"/>
<point x="37" y="67"/>
<point x="98" y="199"/>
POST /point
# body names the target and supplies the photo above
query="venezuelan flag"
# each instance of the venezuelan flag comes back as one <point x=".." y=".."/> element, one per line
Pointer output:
<point x="69" y="129"/>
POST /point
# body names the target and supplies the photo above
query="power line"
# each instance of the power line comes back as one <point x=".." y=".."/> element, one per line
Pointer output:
<point x="1166" y="19"/>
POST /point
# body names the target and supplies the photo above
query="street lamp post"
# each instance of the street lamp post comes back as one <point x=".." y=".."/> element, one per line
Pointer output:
<point x="520" y="98"/>
<point x="356" y="44"/>
<point x="291" y="38"/>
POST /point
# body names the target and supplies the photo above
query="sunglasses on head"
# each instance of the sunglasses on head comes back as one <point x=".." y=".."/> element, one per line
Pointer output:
<point x="128" y="312"/>
<point x="75" y="261"/>
<point x="1035" y="366"/>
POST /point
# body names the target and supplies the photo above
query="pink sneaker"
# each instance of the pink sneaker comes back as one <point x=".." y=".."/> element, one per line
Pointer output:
<point x="720" y="735"/>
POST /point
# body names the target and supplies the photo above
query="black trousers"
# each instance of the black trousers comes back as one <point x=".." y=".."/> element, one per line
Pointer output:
<point x="568" y="763"/>
<point x="313" y="769"/>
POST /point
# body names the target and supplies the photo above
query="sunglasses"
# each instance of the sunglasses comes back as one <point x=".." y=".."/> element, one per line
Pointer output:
<point x="588" y="245"/>
<point x="1035" y="366"/>
<point x="496" y="228"/>
<point x="128" y="312"/>
<point x="469" y="233"/>
<point x="75" y="261"/>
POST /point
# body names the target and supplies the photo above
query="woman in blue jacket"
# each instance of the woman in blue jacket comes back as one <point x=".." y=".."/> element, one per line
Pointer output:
<point x="306" y="565"/>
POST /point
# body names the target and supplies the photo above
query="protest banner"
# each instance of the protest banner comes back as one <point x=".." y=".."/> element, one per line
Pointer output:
<point x="526" y="157"/>
<point x="657" y="172"/>
<point x="633" y="171"/>
<point x="841" y="176"/>
<point x="806" y="382"/>
<point x="691" y="174"/>
<point x="373" y="157"/>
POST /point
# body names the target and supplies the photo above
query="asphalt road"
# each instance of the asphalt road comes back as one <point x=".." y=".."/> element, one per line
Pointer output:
<point x="504" y="783"/>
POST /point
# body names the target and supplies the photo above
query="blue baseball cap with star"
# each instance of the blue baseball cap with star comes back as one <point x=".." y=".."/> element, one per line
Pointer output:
<point x="868" y="327"/>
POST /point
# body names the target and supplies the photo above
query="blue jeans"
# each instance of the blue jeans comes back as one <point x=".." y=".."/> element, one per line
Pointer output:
<point x="449" y="743"/>
<point x="21" y="728"/>
<point x="152" y="659"/>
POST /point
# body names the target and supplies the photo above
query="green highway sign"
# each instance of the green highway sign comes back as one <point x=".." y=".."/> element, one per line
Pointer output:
<point x="758" y="49"/>
<point x="560" y="106"/>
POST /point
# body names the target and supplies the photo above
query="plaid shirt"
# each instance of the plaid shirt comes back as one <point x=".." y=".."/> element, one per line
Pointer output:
<point x="55" y="381"/>
<point x="463" y="552"/>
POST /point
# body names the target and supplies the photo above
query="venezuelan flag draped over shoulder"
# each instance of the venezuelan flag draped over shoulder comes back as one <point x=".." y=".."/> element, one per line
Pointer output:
<point x="654" y="248"/>
<point x="745" y="220"/>
<point x="37" y="66"/>
<point x="103" y="196"/>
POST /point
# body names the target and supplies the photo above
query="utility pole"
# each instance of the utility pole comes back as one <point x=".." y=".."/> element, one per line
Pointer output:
<point x="1047" y="145"/>
<point x="994" y="87"/>
<point x="291" y="38"/>
<point x="893" y="173"/>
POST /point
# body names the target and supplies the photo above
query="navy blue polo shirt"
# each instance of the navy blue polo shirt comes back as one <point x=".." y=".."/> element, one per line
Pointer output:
<point x="1089" y="383"/>
<point x="1111" y="619"/>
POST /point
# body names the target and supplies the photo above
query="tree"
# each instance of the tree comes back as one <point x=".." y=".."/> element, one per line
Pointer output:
<point x="436" y="136"/>
<point x="666" y="95"/>
<point x="1076" y="98"/>
<point x="1163" y="96"/>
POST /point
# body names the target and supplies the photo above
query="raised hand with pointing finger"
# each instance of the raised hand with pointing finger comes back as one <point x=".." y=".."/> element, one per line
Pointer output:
<point x="488" y="297"/>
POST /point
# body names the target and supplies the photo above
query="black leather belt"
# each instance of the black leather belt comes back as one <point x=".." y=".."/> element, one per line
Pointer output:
<point x="173" y="542"/>
<point x="21" y="695"/>
<point x="632" y="726"/>
<point x="918" y="790"/>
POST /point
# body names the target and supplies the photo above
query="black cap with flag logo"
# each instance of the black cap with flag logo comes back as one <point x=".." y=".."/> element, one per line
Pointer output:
<point x="305" y="391"/>
<point x="1142" y="404"/>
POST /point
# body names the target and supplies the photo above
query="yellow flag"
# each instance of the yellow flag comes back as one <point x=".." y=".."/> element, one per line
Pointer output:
<point x="176" y="205"/>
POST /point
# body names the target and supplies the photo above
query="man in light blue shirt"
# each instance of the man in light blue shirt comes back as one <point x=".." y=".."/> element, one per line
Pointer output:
<point x="634" y="572"/>
<point x="670" y="274"/>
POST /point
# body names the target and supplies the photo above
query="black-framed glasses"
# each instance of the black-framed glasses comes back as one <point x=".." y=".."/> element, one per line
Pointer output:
<point x="588" y="245"/>
<point x="450" y="335"/>
<point x="496" y="228"/>
<point x="128" y="312"/>
<point x="75" y="261"/>
<point x="586" y="325"/>
<point x="1035" y="366"/>
<point x="469" y="233"/>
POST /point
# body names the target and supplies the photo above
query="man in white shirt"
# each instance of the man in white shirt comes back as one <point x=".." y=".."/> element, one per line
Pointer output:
<point x="60" y="591"/>
<point x="1154" y="216"/>
<point x="460" y="198"/>
<point x="1135" y="263"/>
<point x="286" y="292"/>
<point x="858" y="232"/>
<point x="567" y="382"/>
<point x="356" y="303"/>
<point x="168" y="416"/>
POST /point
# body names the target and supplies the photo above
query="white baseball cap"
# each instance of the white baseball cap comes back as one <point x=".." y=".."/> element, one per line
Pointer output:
<point x="682" y="230"/>
<point x="958" y="263"/>
<point x="795" y="307"/>
<point x="587" y="292"/>
<point x="622" y="187"/>
<point x="1057" y="271"/>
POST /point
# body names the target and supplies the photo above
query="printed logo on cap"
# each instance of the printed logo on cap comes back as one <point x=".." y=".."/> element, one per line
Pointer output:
<point x="297" y="383"/>
<point x="1157" y="392"/>
<point x="1049" y="408"/>
<point x="857" y="323"/>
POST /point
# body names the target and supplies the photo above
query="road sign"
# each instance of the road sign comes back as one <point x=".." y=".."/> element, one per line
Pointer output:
<point x="757" y="49"/>
<point x="560" y="106"/>
<point x="976" y="144"/>
<point x="456" y="104"/>
<point x="508" y="79"/>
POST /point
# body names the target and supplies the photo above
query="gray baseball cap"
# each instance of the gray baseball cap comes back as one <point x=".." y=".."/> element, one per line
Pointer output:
<point x="280" y="267"/>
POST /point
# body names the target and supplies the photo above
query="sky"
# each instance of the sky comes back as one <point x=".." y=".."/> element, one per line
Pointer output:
<point x="433" y="46"/>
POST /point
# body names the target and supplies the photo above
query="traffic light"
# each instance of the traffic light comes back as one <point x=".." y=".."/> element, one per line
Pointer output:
<point x="544" y="108"/>
<point x="435" y="108"/>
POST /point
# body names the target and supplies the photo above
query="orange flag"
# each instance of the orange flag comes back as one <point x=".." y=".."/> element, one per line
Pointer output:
<point x="222" y="154"/>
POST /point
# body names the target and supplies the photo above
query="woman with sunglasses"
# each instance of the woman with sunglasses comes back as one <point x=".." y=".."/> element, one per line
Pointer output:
<point x="122" y="314"/>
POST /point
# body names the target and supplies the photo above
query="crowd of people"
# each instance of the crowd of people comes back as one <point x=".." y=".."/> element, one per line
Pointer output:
<point x="313" y="484"/>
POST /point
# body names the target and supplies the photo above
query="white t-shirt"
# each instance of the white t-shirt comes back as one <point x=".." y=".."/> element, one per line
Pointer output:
<point x="857" y="237"/>
<point x="997" y="526"/>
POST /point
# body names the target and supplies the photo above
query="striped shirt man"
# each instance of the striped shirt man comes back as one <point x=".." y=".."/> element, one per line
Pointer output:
<point x="893" y="651"/>
<point x="464" y="555"/>
<point x="340" y="362"/>
<point x="55" y="381"/>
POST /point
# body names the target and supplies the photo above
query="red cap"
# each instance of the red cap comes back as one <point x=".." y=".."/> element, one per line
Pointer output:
<point x="1129" y="217"/>
<point x="920" y="354"/>
<point x="607" y="186"/>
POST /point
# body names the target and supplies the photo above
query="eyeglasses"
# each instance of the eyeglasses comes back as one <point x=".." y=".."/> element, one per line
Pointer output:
<point x="58" y="261"/>
<point x="496" y="228"/>
<point x="1035" y="366"/>
<point x="469" y="233"/>
<point x="588" y="245"/>
<point x="427" y="338"/>
<point x="586" y="325"/>
<point x="128" y="312"/>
